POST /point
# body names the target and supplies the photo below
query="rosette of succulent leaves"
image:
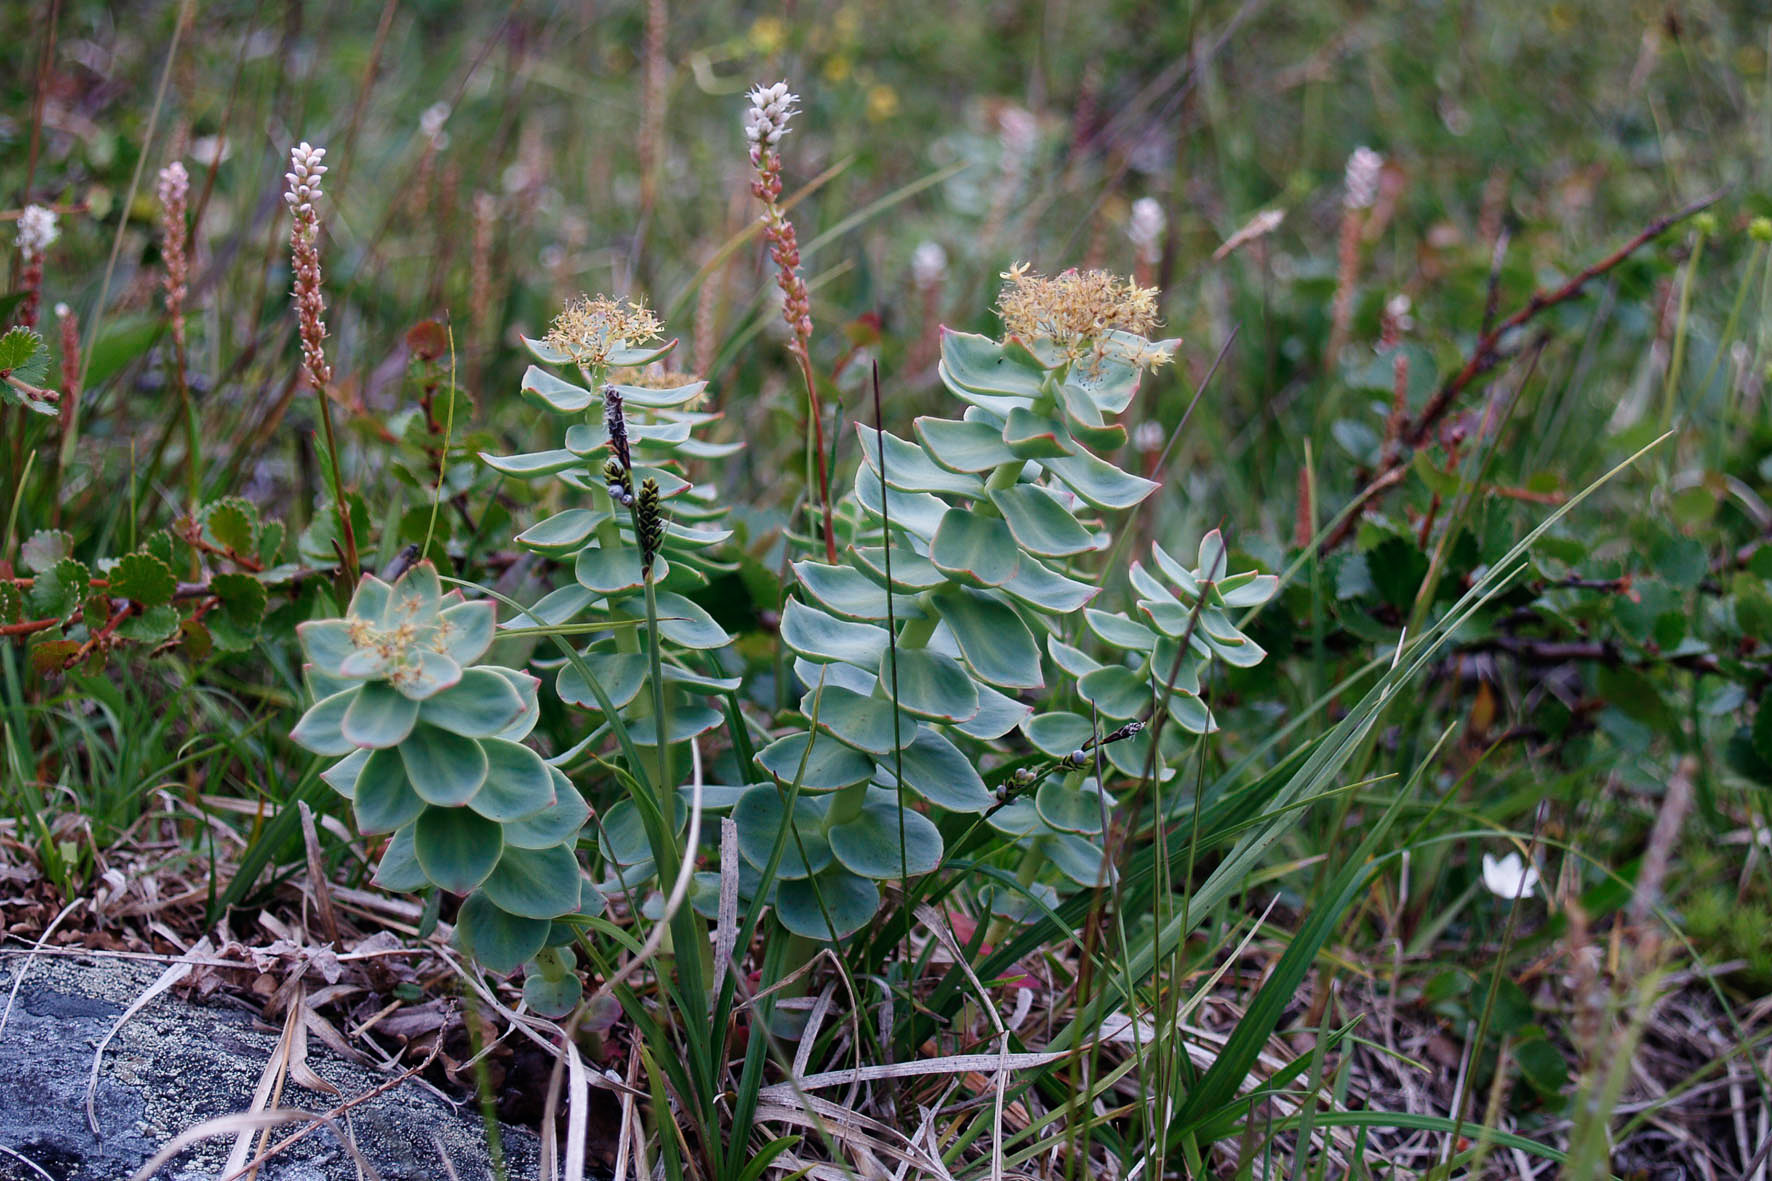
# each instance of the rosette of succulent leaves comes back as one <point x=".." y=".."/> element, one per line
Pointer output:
<point x="429" y="748"/>
<point x="637" y="527"/>
<point x="966" y="585"/>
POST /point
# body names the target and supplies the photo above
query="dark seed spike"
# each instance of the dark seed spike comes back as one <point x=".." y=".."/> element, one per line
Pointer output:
<point x="617" y="425"/>
<point x="649" y="524"/>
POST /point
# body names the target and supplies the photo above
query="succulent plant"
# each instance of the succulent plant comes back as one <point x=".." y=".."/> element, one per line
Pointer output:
<point x="430" y="749"/>
<point x="964" y="545"/>
<point x="640" y="527"/>
<point x="1148" y="669"/>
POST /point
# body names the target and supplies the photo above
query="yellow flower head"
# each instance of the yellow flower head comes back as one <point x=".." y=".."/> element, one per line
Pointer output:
<point x="1075" y="310"/>
<point x="589" y="330"/>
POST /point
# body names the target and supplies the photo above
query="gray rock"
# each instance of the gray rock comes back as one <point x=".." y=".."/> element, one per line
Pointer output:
<point x="176" y="1064"/>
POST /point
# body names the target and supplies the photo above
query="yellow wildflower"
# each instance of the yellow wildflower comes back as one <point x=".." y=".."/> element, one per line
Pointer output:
<point x="1076" y="310"/>
<point x="589" y="330"/>
<point x="882" y="102"/>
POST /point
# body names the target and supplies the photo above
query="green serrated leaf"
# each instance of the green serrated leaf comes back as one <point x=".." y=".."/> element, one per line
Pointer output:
<point x="18" y="347"/>
<point x="59" y="589"/>
<point x="151" y="626"/>
<point x="232" y="524"/>
<point x="235" y="620"/>
<point x="270" y="541"/>
<point x="50" y="655"/>
<point x="43" y="549"/>
<point x="142" y="578"/>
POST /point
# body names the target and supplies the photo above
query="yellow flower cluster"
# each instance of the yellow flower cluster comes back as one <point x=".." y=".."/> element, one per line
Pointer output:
<point x="1076" y="309"/>
<point x="589" y="330"/>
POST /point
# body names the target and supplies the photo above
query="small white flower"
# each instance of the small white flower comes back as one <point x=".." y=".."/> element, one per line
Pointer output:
<point x="929" y="263"/>
<point x="207" y="150"/>
<point x="1149" y="436"/>
<point x="1146" y="228"/>
<point x="1020" y="132"/>
<point x="36" y="231"/>
<point x="1396" y="310"/>
<point x="767" y="119"/>
<point x="1361" y="181"/>
<point x="430" y="123"/>
<point x="1509" y="877"/>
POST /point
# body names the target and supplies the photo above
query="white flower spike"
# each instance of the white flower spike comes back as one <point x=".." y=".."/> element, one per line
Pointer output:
<point x="1361" y="181"/>
<point x="37" y="231"/>
<point x="1146" y="229"/>
<point x="929" y="263"/>
<point x="767" y="119"/>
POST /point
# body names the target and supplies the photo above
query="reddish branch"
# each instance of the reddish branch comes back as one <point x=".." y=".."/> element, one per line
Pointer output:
<point x="1485" y="356"/>
<point x="27" y="627"/>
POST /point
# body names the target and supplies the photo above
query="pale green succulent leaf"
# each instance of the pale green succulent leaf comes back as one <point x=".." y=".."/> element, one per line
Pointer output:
<point x="445" y="769"/>
<point x="909" y="468"/>
<point x="938" y="771"/>
<point x="380" y="716"/>
<point x="992" y="637"/>
<point x="825" y="638"/>
<point x="479" y="705"/>
<point x="321" y="729"/>
<point x="399" y="869"/>
<point x="886" y="841"/>
<point x="518" y="783"/>
<point x="499" y="940"/>
<point x="974" y="549"/>
<point x="849" y="900"/>
<point x="964" y="446"/>
<point x="384" y="800"/>
<point x="760" y="815"/>
<point x="1040" y="524"/>
<point x="457" y="847"/>
<point x="930" y="685"/>
<point x="563" y="532"/>
<point x="557" y="824"/>
<point x="534" y="883"/>
<point x="863" y="721"/>
<point x="830" y="765"/>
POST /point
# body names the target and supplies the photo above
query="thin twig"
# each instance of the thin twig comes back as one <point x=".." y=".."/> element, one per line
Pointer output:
<point x="1485" y="356"/>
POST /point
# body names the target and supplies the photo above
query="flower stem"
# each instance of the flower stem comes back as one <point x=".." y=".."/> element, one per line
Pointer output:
<point x="816" y="414"/>
<point x="348" y="534"/>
